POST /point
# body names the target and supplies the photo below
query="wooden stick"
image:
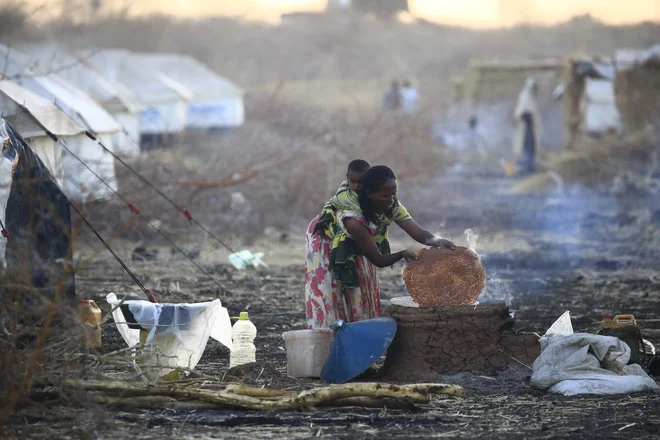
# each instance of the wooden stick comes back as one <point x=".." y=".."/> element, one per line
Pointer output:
<point x="241" y="396"/>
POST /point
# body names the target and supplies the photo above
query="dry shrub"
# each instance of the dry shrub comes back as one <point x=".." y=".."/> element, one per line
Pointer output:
<point x="40" y="337"/>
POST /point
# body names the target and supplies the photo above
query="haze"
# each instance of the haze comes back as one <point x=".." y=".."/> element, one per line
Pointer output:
<point x="470" y="13"/>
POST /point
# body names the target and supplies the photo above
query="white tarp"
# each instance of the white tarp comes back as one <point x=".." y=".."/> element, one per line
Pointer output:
<point x="180" y="331"/>
<point x="630" y="58"/>
<point x="214" y="101"/>
<point x="599" y="107"/>
<point x="164" y="107"/>
<point x="584" y="363"/>
<point x="591" y="68"/>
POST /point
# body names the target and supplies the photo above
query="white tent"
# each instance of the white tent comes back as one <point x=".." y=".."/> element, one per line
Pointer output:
<point x="113" y="97"/>
<point x="165" y="104"/>
<point x="33" y="118"/>
<point x="215" y="102"/>
<point x="81" y="182"/>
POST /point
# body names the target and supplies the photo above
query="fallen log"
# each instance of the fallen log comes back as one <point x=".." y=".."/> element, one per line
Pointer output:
<point x="246" y="397"/>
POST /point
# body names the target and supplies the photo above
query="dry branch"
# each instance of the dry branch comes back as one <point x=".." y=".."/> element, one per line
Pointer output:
<point x="246" y="397"/>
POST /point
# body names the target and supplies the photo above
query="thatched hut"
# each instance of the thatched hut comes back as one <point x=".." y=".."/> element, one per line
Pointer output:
<point x="491" y="89"/>
<point x="637" y="88"/>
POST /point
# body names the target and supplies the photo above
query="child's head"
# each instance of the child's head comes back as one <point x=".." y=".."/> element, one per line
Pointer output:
<point x="354" y="173"/>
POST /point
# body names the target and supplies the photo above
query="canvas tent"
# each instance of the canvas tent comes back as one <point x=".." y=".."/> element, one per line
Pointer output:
<point x="214" y="102"/>
<point x="637" y="88"/>
<point x="32" y="117"/>
<point x="113" y="97"/>
<point x="165" y="105"/>
<point x="81" y="182"/>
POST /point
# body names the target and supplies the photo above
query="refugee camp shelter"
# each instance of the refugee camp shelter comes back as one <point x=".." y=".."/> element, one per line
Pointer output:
<point x="637" y="88"/>
<point x="165" y="101"/>
<point x="489" y="90"/>
<point x="80" y="182"/>
<point x="89" y="169"/>
<point x="112" y="96"/>
<point x="215" y="102"/>
<point x="33" y="117"/>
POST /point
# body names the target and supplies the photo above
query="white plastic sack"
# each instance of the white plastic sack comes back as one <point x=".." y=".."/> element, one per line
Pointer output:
<point x="179" y="331"/>
<point x="584" y="363"/>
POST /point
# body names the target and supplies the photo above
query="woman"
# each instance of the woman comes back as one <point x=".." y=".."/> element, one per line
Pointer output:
<point x="341" y="277"/>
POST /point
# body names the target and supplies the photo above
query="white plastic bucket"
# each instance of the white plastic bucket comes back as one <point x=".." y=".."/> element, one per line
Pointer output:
<point x="307" y="351"/>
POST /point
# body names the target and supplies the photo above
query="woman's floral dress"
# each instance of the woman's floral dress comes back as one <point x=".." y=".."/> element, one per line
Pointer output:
<point x="326" y="301"/>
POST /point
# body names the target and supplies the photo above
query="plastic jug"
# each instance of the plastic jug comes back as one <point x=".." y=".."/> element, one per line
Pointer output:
<point x="243" y="350"/>
<point x="90" y="315"/>
<point x="625" y="328"/>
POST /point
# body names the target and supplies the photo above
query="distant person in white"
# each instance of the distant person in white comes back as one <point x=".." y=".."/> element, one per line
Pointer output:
<point x="409" y="98"/>
<point x="527" y="136"/>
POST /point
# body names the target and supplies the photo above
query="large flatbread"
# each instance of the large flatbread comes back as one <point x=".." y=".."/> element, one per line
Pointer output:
<point x="442" y="277"/>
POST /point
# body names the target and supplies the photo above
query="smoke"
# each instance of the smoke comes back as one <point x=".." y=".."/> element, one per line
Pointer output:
<point x="471" y="238"/>
<point x="496" y="290"/>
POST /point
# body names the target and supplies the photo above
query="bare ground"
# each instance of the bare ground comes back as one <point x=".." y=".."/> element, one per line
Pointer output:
<point x="544" y="254"/>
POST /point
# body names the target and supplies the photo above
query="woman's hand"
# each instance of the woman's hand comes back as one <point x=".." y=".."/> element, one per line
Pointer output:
<point x="423" y="236"/>
<point x="441" y="243"/>
<point x="409" y="255"/>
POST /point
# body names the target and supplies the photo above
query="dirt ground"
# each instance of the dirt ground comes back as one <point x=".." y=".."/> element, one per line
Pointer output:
<point x="544" y="255"/>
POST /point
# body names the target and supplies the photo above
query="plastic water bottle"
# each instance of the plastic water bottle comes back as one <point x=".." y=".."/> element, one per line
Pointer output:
<point x="243" y="350"/>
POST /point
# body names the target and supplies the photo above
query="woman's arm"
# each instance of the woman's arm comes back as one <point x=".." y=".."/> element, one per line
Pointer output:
<point x="423" y="236"/>
<point x="368" y="248"/>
